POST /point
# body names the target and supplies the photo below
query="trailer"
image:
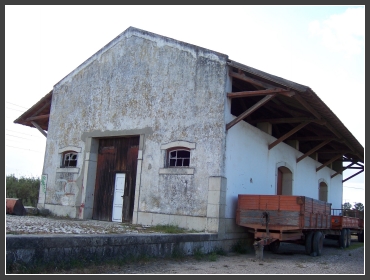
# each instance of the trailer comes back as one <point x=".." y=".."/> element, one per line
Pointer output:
<point x="345" y="222"/>
<point x="296" y="219"/>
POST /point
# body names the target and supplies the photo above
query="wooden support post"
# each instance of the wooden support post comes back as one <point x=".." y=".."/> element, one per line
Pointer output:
<point x="39" y="128"/>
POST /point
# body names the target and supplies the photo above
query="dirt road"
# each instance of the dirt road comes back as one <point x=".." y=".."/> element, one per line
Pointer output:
<point x="291" y="260"/>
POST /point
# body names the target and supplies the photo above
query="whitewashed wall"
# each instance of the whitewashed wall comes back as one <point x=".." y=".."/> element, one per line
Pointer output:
<point x="251" y="168"/>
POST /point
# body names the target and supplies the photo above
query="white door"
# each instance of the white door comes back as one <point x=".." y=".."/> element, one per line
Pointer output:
<point x="119" y="188"/>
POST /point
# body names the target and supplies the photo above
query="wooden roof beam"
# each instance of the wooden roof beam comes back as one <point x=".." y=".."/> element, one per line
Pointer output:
<point x="343" y="168"/>
<point x="314" y="138"/>
<point x="243" y="77"/>
<point x="47" y="103"/>
<point x="282" y="107"/>
<point x="38" y="117"/>
<point x="352" y="176"/>
<point x="260" y="92"/>
<point x="334" y="151"/>
<point x="249" y="111"/>
<point x="285" y="136"/>
<point x="328" y="162"/>
<point x="281" y="120"/>
<point x="39" y="128"/>
<point x="313" y="150"/>
<point x="307" y="106"/>
<point x="284" y="120"/>
<point x="346" y="142"/>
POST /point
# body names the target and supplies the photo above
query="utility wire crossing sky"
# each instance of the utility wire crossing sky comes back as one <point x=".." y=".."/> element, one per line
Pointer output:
<point x="321" y="47"/>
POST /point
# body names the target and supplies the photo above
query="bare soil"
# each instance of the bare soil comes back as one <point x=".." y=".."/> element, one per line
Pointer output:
<point x="290" y="259"/>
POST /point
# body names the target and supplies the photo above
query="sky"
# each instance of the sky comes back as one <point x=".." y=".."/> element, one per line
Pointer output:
<point x="322" y="47"/>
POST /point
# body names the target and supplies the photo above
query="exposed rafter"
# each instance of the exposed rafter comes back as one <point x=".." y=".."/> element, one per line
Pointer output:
<point x="342" y="169"/>
<point x="328" y="162"/>
<point x="263" y="92"/>
<point x="249" y="111"/>
<point x="334" y="151"/>
<point x="314" y="138"/>
<point x="313" y="150"/>
<point x="307" y="106"/>
<point x="243" y="77"/>
<point x="39" y="128"/>
<point x="47" y="103"/>
<point x="285" y="136"/>
<point x="352" y="176"/>
<point x="276" y="104"/>
<point x="285" y="120"/>
<point x="38" y="117"/>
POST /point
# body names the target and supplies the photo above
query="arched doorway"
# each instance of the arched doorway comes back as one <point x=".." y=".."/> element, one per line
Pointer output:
<point x="323" y="191"/>
<point x="284" y="181"/>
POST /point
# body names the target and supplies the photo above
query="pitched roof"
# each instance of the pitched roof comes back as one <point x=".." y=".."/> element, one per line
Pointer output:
<point x="303" y="104"/>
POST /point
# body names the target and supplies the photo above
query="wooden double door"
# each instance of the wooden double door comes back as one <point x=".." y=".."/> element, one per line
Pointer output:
<point x="116" y="176"/>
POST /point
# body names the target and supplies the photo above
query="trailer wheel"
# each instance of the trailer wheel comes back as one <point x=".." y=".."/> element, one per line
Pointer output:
<point x="360" y="236"/>
<point x="274" y="246"/>
<point x="317" y="243"/>
<point x="308" y="242"/>
<point x="343" y="238"/>
<point x="349" y="237"/>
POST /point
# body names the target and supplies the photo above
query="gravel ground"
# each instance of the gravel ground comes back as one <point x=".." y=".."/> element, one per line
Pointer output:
<point x="290" y="259"/>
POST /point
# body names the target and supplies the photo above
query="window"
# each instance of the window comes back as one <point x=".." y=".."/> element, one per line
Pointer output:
<point x="69" y="159"/>
<point x="178" y="157"/>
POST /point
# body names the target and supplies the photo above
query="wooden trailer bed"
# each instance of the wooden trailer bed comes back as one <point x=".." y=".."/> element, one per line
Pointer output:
<point x="284" y="218"/>
<point x="285" y="212"/>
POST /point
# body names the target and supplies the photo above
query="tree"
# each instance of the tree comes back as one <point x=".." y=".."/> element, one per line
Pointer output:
<point x="358" y="206"/>
<point x="23" y="188"/>
<point x="346" y="206"/>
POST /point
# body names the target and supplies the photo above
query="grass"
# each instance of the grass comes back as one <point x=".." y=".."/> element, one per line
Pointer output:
<point x="241" y="247"/>
<point x="98" y="266"/>
<point x="355" y="245"/>
<point x="168" y="229"/>
<point x="75" y="266"/>
<point x="198" y="254"/>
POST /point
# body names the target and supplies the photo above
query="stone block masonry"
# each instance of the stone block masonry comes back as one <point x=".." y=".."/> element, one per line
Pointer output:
<point x="30" y="250"/>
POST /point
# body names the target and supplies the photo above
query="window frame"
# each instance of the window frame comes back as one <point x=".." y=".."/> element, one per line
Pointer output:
<point x="64" y="159"/>
<point x="177" y="149"/>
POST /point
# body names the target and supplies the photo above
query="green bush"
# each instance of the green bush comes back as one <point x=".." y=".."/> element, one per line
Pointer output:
<point x="23" y="188"/>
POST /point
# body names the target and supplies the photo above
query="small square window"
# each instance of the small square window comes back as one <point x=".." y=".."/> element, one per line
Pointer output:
<point x="178" y="157"/>
<point x="69" y="159"/>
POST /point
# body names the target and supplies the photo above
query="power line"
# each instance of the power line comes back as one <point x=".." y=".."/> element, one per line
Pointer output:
<point x="16" y="105"/>
<point x="353" y="188"/>
<point x="23" y="149"/>
<point x="30" y="139"/>
<point x="24" y="134"/>
<point x="14" y="109"/>
<point x="17" y="136"/>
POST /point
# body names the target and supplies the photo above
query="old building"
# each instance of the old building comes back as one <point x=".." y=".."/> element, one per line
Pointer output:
<point x="152" y="130"/>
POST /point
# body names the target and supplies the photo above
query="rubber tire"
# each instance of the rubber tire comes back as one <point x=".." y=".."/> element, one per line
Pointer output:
<point x="274" y="246"/>
<point x="360" y="236"/>
<point x="349" y="237"/>
<point x="317" y="243"/>
<point x="308" y="242"/>
<point x="343" y="238"/>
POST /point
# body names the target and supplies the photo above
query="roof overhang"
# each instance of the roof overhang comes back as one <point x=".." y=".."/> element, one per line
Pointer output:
<point x="38" y="115"/>
<point x="294" y="112"/>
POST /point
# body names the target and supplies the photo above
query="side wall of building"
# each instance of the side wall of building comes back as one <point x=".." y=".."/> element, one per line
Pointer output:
<point x="251" y="168"/>
<point x="167" y="92"/>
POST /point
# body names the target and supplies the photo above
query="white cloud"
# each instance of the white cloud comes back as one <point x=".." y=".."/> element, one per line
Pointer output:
<point x="343" y="32"/>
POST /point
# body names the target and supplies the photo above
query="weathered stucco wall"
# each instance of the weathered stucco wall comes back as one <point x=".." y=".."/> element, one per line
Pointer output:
<point x="143" y="81"/>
